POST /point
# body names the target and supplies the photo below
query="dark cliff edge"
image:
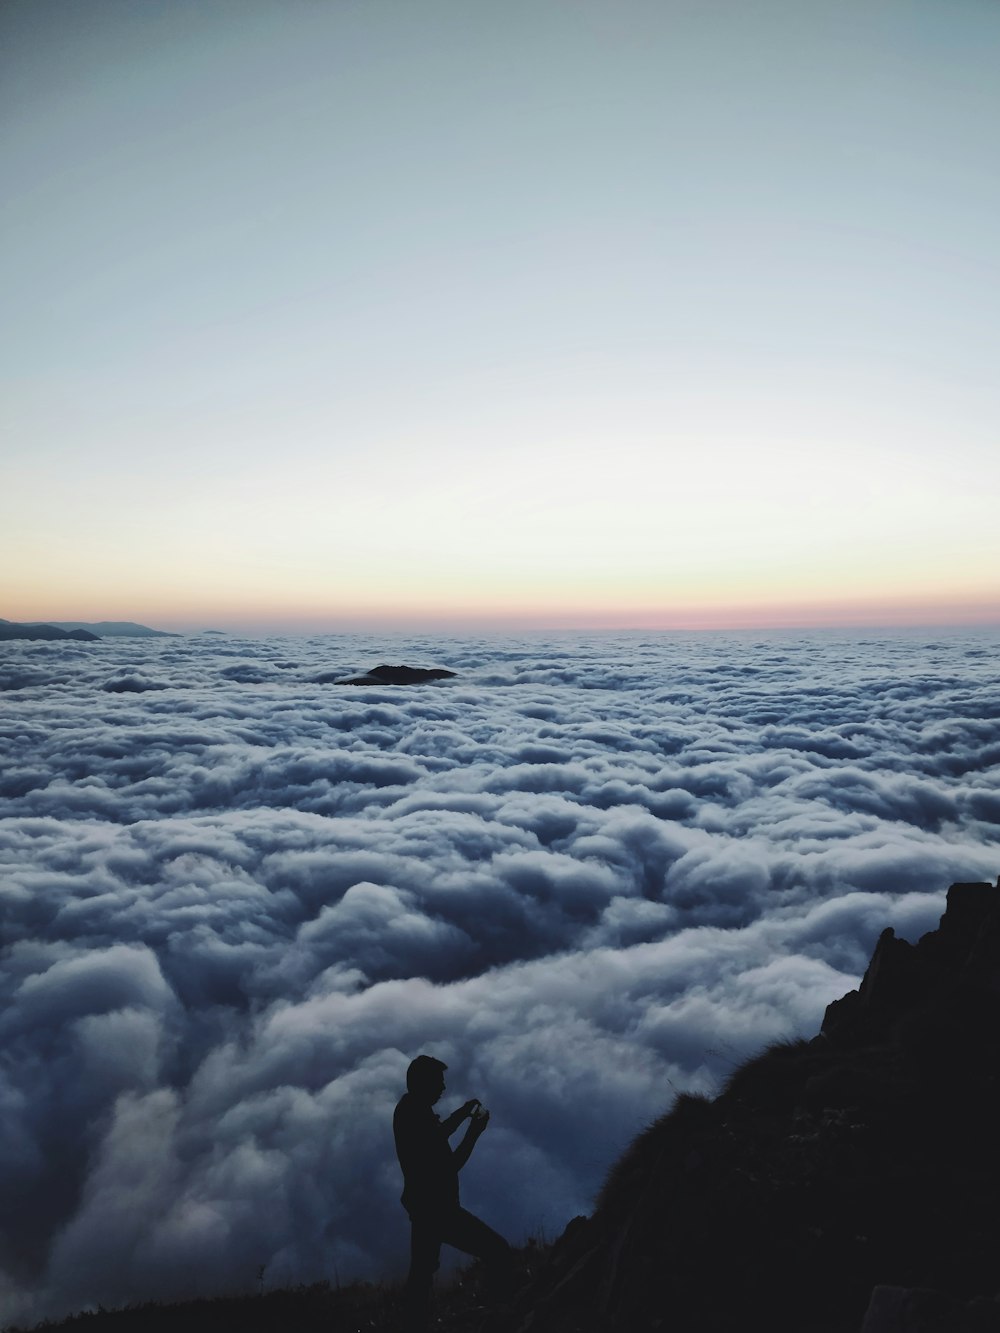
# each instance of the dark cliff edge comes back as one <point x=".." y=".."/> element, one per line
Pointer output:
<point x="844" y="1184"/>
<point x="866" y="1157"/>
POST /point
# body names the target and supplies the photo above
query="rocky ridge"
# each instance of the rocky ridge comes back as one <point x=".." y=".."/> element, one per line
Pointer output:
<point x="844" y="1182"/>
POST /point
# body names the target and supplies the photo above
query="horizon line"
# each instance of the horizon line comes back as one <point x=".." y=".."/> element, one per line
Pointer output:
<point x="533" y="625"/>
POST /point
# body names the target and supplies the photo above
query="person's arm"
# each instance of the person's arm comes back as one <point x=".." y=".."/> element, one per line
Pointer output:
<point x="476" y="1126"/>
<point x="455" y="1119"/>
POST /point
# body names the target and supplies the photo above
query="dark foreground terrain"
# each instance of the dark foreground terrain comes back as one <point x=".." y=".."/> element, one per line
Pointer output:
<point x="848" y="1182"/>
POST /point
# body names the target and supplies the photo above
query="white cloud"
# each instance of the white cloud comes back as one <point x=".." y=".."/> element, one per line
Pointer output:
<point x="586" y="873"/>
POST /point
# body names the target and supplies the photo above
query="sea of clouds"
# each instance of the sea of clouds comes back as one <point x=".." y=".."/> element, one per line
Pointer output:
<point x="588" y="872"/>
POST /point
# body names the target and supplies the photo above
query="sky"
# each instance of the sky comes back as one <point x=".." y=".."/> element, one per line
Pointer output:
<point x="323" y="314"/>
<point x="588" y="872"/>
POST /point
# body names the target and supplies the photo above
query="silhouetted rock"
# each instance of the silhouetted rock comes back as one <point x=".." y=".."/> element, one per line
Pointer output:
<point x="901" y="975"/>
<point x="397" y="675"/>
<point x="866" y="1157"/>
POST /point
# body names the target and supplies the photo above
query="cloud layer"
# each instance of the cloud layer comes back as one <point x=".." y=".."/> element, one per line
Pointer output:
<point x="588" y="872"/>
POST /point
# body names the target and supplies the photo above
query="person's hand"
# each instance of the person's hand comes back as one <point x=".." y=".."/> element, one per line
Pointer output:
<point x="469" y="1107"/>
<point x="480" y="1120"/>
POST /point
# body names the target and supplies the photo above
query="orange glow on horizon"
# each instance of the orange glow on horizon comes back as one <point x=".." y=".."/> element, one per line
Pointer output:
<point x="244" y="615"/>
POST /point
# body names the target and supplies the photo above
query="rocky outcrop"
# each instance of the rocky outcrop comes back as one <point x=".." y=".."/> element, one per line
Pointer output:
<point x="902" y="977"/>
<point x="867" y="1157"/>
<point x="397" y="675"/>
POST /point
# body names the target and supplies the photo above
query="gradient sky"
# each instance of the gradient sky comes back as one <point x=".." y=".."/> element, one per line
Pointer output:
<point x="321" y="313"/>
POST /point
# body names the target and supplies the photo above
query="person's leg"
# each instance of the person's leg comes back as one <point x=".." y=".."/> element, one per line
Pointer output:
<point x="472" y="1236"/>
<point x="425" y="1254"/>
<point x="468" y="1233"/>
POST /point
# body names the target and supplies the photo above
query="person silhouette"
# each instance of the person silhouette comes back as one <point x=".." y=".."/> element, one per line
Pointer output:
<point x="430" y="1186"/>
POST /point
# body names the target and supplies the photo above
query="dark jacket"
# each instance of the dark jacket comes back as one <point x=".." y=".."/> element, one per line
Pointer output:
<point x="430" y="1176"/>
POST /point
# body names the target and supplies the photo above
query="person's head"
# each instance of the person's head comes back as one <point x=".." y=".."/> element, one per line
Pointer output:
<point x="425" y="1078"/>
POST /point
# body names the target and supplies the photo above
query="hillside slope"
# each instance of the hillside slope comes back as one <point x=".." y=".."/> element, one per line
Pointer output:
<point x="866" y="1156"/>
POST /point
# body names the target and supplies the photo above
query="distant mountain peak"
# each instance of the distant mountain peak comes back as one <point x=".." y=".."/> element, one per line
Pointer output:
<point x="10" y="629"/>
<point x="114" y="629"/>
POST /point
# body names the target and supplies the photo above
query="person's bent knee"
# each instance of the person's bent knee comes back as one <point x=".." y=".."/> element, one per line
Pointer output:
<point x="499" y="1253"/>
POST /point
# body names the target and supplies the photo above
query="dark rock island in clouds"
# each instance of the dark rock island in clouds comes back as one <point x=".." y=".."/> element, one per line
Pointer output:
<point x="399" y="675"/>
<point x="587" y="872"/>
